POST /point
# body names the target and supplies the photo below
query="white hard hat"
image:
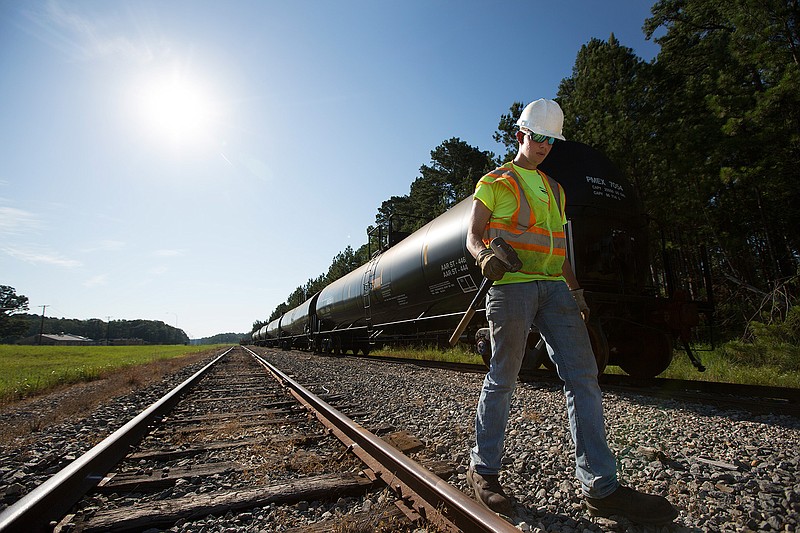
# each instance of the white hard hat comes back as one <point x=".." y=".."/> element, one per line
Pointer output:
<point x="544" y="117"/>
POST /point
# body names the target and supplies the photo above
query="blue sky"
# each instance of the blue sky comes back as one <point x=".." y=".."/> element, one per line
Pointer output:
<point x="196" y="161"/>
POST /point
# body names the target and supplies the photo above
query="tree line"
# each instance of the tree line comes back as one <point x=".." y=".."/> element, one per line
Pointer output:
<point x="451" y="177"/>
<point x="148" y="331"/>
<point x="16" y="325"/>
<point x="708" y="132"/>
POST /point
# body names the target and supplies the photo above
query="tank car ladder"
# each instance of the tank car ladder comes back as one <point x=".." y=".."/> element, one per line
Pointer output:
<point x="366" y="293"/>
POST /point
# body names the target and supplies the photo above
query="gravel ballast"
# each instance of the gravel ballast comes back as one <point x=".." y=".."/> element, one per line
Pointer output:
<point x="724" y="470"/>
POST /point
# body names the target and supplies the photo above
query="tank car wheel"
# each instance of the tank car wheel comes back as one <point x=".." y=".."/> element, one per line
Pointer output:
<point x="535" y="353"/>
<point x="483" y="345"/>
<point x="599" y="346"/>
<point x="652" y="356"/>
<point x="546" y="361"/>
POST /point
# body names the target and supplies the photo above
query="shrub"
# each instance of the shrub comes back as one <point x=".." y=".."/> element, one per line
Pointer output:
<point x="774" y="343"/>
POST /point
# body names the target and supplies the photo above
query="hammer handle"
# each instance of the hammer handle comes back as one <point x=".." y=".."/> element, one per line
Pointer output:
<point x="482" y="290"/>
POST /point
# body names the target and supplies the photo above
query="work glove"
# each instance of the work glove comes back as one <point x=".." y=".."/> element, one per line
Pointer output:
<point x="491" y="266"/>
<point x="581" y="301"/>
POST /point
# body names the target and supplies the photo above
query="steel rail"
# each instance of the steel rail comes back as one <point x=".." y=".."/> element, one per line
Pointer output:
<point x="430" y="496"/>
<point x="52" y="499"/>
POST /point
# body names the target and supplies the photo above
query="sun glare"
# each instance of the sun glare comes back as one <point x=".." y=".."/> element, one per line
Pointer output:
<point x="176" y="110"/>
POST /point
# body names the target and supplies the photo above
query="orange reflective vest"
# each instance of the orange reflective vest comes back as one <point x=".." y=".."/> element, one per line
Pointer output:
<point x="541" y="247"/>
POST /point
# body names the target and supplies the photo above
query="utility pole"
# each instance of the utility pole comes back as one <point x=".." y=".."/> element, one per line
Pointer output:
<point x="108" y="325"/>
<point x="41" y="326"/>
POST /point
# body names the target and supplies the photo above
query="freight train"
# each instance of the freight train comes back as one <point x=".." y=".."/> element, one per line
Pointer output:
<point x="418" y="289"/>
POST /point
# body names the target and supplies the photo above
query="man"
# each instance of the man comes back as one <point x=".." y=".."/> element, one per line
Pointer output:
<point x="526" y="208"/>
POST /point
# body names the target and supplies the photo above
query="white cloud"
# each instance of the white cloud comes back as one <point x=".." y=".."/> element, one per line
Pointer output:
<point x="96" y="281"/>
<point x="83" y="36"/>
<point x="46" y="258"/>
<point x="15" y="221"/>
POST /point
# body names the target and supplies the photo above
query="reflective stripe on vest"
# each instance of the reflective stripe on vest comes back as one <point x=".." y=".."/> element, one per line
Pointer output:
<point x="534" y="244"/>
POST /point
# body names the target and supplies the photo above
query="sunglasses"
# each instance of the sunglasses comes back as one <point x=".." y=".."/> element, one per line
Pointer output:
<point x="539" y="138"/>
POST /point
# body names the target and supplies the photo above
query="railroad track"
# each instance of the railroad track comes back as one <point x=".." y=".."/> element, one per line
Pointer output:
<point x="241" y="435"/>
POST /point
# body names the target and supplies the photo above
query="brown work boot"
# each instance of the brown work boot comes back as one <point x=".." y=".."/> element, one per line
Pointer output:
<point x="636" y="506"/>
<point x="489" y="492"/>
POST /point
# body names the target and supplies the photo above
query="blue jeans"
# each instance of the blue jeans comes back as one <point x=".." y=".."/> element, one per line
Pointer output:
<point x="511" y="309"/>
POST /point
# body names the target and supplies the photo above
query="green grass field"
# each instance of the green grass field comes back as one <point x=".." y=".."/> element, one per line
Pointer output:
<point x="726" y="364"/>
<point x="722" y="369"/>
<point x="29" y="370"/>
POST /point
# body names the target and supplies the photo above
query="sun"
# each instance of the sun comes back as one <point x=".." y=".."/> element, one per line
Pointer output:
<point x="176" y="110"/>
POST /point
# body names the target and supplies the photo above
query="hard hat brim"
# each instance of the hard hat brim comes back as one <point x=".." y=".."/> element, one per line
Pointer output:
<point x="541" y="131"/>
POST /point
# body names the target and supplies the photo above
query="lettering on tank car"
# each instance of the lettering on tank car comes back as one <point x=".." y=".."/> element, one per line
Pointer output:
<point x="400" y="299"/>
<point x="386" y="295"/>
<point x="454" y="267"/>
<point x="606" y="188"/>
<point x="386" y="291"/>
<point x="440" y="287"/>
